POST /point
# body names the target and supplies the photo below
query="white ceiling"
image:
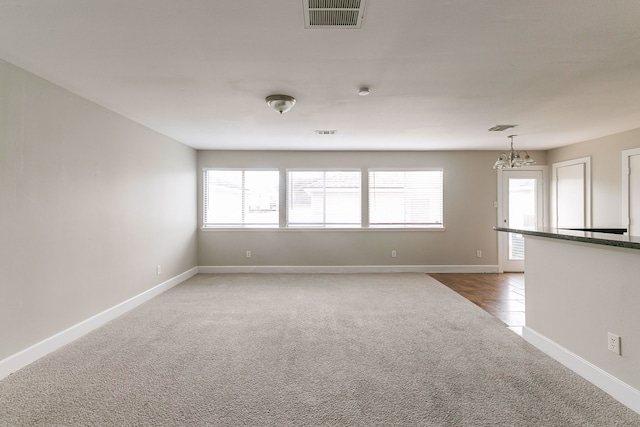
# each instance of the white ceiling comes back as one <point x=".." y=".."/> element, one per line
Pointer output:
<point x="441" y="72"/>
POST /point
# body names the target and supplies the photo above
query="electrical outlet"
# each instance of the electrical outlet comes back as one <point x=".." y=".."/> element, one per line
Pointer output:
<point x="613" y="343"/>
<point x="248" y="254"/>
<point x="479" y="254"/>
<point x="158" y="270"/>
<point x="393" y="254"/>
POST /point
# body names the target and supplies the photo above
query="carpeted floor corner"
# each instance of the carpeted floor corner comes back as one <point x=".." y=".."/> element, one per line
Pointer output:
<point x="304" y="350"/>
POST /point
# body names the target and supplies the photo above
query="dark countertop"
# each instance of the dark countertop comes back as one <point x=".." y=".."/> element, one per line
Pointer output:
<point x="599" y="230"/>
<point x="606" y="239"/>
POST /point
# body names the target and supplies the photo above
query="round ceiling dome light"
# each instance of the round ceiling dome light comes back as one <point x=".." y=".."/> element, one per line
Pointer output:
<point x="363" y="91"/>
<point x="280" y="103"/>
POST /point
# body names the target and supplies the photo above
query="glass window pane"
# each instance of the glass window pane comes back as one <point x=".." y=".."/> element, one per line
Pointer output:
<point x="224" y="197"/>
<point x="261" y="190"/>
<point x="522" y="213"/>
<point x="321" y="198"/>
<point x="405" y="198"/>
<point x="516" y="247"/>
<point x="522" y="203"/>
<point x="239" y="198"/>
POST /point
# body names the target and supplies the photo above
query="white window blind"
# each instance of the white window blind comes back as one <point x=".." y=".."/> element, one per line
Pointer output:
<point x="405" y="198"/>
<point x="323" y="198"/>
<point x="241" y="198"/>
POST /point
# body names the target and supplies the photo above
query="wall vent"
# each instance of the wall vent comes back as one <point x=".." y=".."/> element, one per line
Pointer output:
<point x="500" y="128"/>
<point x="331" y="14"/>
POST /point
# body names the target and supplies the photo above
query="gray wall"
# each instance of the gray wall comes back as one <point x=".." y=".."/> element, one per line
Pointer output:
<point x="606" y="172"/>
<point x="577" y="293"/>
<point x="90" y="203"/>
<point x="469" y="215"/>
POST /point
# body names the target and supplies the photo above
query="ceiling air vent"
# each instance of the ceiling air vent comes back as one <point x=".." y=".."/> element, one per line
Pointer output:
<point x="500" y="128"/>
<point x="330" y="14"/>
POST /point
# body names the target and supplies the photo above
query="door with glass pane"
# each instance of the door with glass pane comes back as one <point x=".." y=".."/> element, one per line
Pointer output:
<point x="522" y="208"/>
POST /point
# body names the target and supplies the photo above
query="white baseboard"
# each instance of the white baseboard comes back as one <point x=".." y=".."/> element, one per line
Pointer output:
<point x="29" y="355"/>
<point x="619" y="390"/>
<point x="281" y="269"/>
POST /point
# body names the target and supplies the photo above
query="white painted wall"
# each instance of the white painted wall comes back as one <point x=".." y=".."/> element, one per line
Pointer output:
<point x="90" y="203"/>
<point x="469" y="216"/>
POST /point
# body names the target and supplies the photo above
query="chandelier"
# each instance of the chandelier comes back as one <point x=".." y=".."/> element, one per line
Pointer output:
<point x="513" y="159"/>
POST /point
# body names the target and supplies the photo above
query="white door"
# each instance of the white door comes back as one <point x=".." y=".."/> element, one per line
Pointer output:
<point x="571" y="193"/>
<point x="570" y="196"/>
<point x="521" y="206"/>
<point x="631" y="191"/>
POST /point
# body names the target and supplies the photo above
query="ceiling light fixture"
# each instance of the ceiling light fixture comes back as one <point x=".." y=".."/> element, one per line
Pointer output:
<point x="513" y="159"/>
<point x="280" y="103"/>
<point x="363" y="91"/>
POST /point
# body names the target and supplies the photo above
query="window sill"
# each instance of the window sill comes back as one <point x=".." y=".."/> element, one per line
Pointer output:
<point x="322" y="229"/>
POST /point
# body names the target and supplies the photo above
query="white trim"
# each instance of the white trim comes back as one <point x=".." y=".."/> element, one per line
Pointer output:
<point x="326" y="229"/>
<point x="29" y="355"/>
<point x="626" y="154"/>
<point x="500" y="223"/>
<point x="280" y="269"/>
<point x="587" y="188"/>
<point x="619" y="390"/>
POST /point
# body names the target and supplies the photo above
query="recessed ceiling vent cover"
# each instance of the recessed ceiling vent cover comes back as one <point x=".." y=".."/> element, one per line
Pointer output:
<point x="501" y="128"/>
<point x="331" y="14"/>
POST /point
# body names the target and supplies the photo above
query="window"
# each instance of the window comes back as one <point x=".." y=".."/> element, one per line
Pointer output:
<point x="323" y="198"/>
<point x="405" y="198"/>
<point x="241" y="198"/>
<point x="249" y="198"/>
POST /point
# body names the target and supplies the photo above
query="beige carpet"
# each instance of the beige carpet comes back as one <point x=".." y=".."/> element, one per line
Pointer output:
<point x="304" y="350"/>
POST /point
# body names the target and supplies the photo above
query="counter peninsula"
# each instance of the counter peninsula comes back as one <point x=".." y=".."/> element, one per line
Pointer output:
<point x="579" y="287"/>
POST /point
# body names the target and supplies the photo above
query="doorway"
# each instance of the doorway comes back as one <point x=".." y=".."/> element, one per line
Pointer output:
<point x="520" y="205"/>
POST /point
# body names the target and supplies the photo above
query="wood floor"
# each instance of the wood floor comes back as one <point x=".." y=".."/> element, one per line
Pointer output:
<point x="500" y="294"/>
